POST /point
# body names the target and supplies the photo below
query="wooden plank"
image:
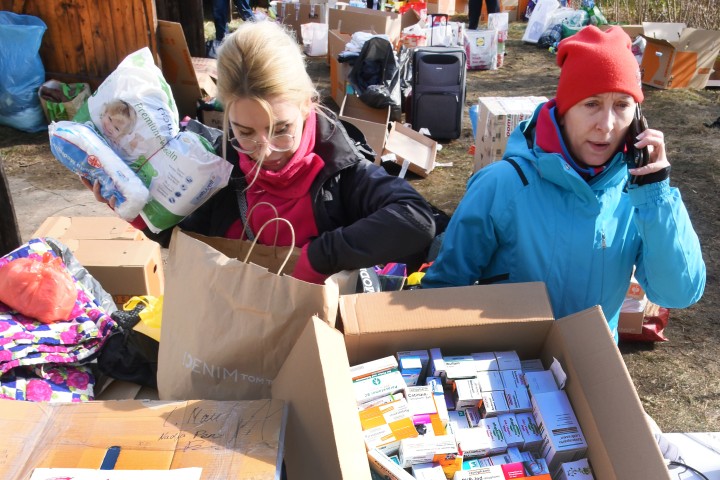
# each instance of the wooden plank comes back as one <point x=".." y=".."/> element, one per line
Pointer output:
<point x="108" y="35"/>
<point x="119" y="10"/>
<point x="89" y="26"/>
<point x="75" y="56"/>
<point x="9" y="232"/>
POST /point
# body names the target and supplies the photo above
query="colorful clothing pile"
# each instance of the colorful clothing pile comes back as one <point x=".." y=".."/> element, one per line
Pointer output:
<point x="49" y="362"/>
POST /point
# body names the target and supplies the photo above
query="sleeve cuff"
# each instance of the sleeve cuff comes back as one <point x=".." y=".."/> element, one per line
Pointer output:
<point x="304" y="270"/>
<point x="650" y="193"/>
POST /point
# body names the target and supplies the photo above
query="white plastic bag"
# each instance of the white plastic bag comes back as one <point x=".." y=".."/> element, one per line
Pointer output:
<point x="83" y="151"/>
<point x="540" y="20"/>
<point x="182" y="176"/>
<point x="134" y="109"/>
<point x="481" y="49"/>
<point x="499" y="22"/>
<point x="315" y="38"/>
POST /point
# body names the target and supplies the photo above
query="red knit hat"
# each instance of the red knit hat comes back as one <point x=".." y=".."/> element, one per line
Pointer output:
<point x="593" y="62"/>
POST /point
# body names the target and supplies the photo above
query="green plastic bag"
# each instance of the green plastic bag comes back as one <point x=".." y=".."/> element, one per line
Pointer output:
<point x="61" y="101"/>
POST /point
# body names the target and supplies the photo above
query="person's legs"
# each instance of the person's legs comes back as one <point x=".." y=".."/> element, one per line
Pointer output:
<point x="245" y="11"/>
<point x="220" y="18"/>
<point x="474" y="9"/>
<point x="493" y="6"/>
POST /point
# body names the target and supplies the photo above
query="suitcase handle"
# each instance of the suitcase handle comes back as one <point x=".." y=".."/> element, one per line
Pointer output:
<point x="432" y="16"/>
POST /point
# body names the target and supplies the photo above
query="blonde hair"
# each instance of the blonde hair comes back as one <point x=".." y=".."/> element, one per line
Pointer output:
<point x="261" y="61"/>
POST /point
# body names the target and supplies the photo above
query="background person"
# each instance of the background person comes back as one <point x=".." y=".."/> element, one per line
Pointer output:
<point x="221" y="16"/>
<point x="561" y="209"/>
<point x="475" y="10"/>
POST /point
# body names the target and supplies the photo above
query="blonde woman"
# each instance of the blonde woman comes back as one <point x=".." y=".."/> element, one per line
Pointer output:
<point x="346" y="212"/>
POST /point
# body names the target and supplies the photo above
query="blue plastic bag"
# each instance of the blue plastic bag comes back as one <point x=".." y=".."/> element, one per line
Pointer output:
<point x="21" y="72"/>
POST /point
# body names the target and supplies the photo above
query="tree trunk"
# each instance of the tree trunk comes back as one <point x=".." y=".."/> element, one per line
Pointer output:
<point x="9" y="234"/>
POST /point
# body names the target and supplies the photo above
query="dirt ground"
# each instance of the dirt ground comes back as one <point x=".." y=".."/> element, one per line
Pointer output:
<point x="678" y="381"/>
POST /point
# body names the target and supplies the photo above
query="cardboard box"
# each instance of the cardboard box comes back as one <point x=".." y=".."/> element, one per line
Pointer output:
<point x="405" y="143"/>
<point x="353" y="19"/>
<point x="88" y="228"/>
<point x="517" y="317"/>
<point x="228" y="439"/>
<point x="678" y="57"/>
<point x="338" y="71"/>
<point x="177" y="68"/>
<point x="372" y="122"/>
<point x="295" y="14"/>
<point x="113" y="251"/>
<point x="124" y="268"/>
<point x="714" y="79"/>
<point x="497" y="118"/>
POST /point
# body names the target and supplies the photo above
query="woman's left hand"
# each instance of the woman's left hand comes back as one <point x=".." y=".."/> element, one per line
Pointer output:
<point x="655" y="141"/>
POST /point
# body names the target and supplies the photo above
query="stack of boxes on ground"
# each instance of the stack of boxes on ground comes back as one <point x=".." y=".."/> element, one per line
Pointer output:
<point x="119" y="256"/>
<point x="497" y="117"/>
<point x="483" y="415"/>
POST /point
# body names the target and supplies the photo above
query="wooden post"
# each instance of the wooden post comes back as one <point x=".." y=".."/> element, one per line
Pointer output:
<point x="9" y="234"/>
<point x="190" y="16"/>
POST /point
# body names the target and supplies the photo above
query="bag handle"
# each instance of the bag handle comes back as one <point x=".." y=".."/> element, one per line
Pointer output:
<point x="290" y="250"/>
<point x="246" y="221"/>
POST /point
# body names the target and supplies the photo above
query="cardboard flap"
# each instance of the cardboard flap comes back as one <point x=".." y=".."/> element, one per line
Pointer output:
<point x="177" y="67"/>
<point x="408" y="144"/>
<point x="605" y="402"/>
<point x="669" y="32"/>
<point x="323" y="437"/>
<point x="378" y="323"/>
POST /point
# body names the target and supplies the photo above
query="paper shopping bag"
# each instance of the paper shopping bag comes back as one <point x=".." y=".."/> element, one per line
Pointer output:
<point x="229" y="324"/>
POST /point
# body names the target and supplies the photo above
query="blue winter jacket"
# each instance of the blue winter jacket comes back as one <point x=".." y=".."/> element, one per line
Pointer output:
<point x="582" y="238"/>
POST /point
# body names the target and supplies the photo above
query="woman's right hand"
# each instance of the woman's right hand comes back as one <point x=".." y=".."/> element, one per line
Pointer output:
<point x="95" y="188"/>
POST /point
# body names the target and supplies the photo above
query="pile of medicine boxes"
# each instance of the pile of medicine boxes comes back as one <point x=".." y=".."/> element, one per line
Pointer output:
<point x="483" y="416"/>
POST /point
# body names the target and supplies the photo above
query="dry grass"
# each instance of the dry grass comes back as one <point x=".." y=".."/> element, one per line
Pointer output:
<point x="703" y="14"/>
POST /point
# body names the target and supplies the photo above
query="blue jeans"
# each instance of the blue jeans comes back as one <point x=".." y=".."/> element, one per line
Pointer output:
<point x="221" y="15"/>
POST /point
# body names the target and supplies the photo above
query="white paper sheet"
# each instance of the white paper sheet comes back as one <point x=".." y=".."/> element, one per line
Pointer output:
<point x="87" y="474"/>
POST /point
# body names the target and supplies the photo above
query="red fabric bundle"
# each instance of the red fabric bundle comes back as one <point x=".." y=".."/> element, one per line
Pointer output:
<point x="39" y="289"/>
<point x="654" y="323"/>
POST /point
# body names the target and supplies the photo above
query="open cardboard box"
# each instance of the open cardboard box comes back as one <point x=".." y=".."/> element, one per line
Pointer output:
<point x="88" y="228"/>
<point x="372" y="122"/>
<point x="407" y="144"/>
<point x="459" y="320"/>
<point x="227" y="439"/>
<point x="338" y="71"/>
<point x="347" y="19"/>
<point x="113" y="251"/>
<point x="294" y="14"/>
<point x="678" y="57"/>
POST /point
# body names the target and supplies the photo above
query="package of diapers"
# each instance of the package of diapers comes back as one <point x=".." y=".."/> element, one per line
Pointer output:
<point x="183" y="175"/>
<point x="83" y="151"/>
<point x="133" y="109"/>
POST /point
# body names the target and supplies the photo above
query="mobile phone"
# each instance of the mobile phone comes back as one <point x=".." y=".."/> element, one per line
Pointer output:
<point x="637" y="157"/>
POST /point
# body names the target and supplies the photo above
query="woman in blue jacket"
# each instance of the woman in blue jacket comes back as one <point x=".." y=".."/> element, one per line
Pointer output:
<point x="565" y="208"/>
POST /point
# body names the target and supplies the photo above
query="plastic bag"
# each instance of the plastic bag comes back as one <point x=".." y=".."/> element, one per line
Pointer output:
<point x="83" y="151"/>
<point x="150" y="316"/>
<point x="315" y="38"/>
<point x="39" y="289"/>
<point x="133" y="109"/>
<point x="61" y="101"/>
<point x="181" y="177"/>
<point x="481" y="49"/>
<point x="375" y="75"/>
<point x="129" y="354"/>
<point x="21" y="71"/>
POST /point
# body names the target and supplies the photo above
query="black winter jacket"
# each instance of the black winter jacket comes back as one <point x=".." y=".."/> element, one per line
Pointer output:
<point x="364" y="216"/>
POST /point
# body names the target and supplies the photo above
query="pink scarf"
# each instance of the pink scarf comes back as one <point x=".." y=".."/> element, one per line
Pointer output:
<point x="288" y="190"/>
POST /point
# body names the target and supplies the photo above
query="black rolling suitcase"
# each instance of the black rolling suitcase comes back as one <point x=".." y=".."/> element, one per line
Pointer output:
<point x="438" y="91"/>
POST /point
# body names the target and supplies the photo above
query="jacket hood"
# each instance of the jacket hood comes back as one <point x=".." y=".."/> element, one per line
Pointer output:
<point x="554" y="168"/>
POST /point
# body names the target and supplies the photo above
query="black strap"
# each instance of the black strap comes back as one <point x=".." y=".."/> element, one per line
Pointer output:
<point x="497" y="278"/>
<point x="519" y="171"/>
<point x="243" y="205"/>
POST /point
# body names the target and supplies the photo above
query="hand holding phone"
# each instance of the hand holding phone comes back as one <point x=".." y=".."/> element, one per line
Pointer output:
<point x="637" y="157"/>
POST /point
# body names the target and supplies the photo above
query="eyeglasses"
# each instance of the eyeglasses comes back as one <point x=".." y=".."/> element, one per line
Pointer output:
<point x="277" y="143"/>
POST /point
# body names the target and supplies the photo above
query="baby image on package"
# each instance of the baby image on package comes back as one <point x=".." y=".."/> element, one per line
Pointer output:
<point x="134" y="109"/>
